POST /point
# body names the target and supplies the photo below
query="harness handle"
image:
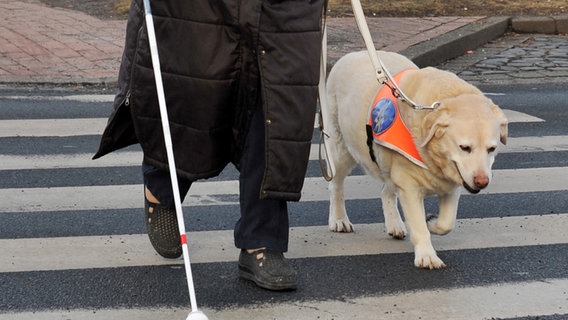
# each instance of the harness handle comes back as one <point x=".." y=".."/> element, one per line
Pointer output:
<point x="382" y="73"/>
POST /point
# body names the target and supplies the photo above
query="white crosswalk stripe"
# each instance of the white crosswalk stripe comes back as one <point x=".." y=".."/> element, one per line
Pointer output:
<point x="305" y="242"/>
<point x="134" y="158"/>
<point x="486" y="302"/>
<point x="31" y="255"/>
<point x="223" y="192"/>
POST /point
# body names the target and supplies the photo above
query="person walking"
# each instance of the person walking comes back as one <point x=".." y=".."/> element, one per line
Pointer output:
<point x="240" y="80"/>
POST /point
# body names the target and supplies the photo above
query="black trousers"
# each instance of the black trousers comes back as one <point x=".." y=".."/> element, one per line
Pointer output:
<point x="263" y="222"/>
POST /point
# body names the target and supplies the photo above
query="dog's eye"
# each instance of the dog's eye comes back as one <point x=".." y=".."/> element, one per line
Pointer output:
<point x="465" y="148"/>
<point x="491" y="149"/>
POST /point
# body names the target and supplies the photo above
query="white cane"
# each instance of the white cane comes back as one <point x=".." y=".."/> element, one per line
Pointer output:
<point x="195" y="314"/>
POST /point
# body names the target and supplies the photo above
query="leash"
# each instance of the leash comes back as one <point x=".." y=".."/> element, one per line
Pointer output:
<point x="384" y="77"/>
<point x="326" y="163"/>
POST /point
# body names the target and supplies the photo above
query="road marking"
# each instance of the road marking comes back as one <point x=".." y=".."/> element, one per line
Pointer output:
<point x="134" y="158"/>
<point x="95" y="126"/>
<point x="21" y="255"/>
<point x="536" y="144"/>
<point x="76" y="160"/>
<point x="515" y="116"/>
<point x="498" y="301"/>
<point x="101" y="98"/>
<point x="52" y="127"/>
<point x="207" y="193"/>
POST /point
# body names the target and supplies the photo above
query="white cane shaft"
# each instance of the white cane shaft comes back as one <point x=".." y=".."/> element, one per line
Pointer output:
<point x="169" y="148"/>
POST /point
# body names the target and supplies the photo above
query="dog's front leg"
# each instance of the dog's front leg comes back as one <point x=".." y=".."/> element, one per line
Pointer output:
<point x="413" y="207"/>
<point x="393" y="222"/>
<point x="446" y="220"/>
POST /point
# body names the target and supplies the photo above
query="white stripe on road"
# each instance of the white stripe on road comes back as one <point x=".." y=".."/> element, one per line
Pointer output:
<point x="516" y="116"/>
<point x="75" y="160"/>
<point x="536" y="144"/>
<point x="52" y="127"/>
<point x="95" y="126"/>
<point x="134" y="158"/>
<point x="21" y="255"/>
<point x="79" y="98"/>
<point x="216" y="192"/>
<point x="497" y="301"/>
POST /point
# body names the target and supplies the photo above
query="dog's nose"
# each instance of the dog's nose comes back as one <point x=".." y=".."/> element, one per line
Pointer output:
<point x="481" y="181"/>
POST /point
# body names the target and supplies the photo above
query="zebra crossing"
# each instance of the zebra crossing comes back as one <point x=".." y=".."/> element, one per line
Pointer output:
<point x="73" y="243"/>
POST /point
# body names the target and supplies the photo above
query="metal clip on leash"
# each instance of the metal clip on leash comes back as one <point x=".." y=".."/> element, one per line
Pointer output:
<point x="383" y="75"/>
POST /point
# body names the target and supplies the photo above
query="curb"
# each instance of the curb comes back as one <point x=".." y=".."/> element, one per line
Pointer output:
<point x="547" y="25"/>
<point x="454" y="43"/>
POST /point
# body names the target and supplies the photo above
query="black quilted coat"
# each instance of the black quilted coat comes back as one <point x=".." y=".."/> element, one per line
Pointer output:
<point x="214" y="56"/>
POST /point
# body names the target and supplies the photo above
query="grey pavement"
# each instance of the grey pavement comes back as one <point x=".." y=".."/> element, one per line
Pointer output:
<point x="44" y="45"/>
<point x="515" y="58"/>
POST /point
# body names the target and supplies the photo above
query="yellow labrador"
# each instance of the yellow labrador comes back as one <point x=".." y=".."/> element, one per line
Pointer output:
<point x="456" y="145"/>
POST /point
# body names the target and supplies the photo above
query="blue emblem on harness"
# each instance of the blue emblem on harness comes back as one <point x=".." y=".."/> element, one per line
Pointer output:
<point x="383" y="115"/>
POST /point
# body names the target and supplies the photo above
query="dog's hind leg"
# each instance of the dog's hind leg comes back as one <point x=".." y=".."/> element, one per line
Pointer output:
<point x="393" y="221"/>
<point x="446" y="220"/>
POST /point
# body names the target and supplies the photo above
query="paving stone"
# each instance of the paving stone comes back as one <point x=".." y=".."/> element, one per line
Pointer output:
<point x="516" y="59"/>
<point x="90" y="49"/>
<point x="43" y="44"/>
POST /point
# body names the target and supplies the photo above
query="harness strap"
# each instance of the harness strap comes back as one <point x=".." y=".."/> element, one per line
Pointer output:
<point x="370" y="142"/>
<point x="368" y="127"/>
<point x="386" y="126"/>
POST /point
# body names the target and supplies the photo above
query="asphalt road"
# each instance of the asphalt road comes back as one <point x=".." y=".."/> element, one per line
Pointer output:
<point x="73" y="240"/>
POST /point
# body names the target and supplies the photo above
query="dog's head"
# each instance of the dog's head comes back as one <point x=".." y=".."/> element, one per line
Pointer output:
<point x="462" y="137"/>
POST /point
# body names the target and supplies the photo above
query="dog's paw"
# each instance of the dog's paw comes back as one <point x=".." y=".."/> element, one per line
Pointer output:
<point x="341" y="225"/>
<point x="397" y="231"/>
<point x="435" y="227"/>
<point x="428" y="261"/>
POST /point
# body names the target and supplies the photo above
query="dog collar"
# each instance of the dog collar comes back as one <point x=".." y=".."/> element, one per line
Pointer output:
<point x="387" y="126"/>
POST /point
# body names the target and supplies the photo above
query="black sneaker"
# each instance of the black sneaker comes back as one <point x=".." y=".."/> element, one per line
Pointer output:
<point x="163" y="231"/>
<point x="268" y="269"/>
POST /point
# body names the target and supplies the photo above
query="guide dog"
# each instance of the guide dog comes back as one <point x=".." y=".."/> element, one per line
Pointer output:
<point x="455" y="144"/>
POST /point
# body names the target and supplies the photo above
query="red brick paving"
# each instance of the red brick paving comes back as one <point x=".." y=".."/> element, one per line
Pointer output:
<point x="39" y="44"/>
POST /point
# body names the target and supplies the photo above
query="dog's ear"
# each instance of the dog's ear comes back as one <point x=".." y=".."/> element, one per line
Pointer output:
<point x="434" y="125"/>
<point x="503" y="122"/>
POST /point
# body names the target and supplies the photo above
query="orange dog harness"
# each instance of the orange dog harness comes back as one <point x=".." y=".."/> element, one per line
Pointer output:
<point x="386" y="126"/>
